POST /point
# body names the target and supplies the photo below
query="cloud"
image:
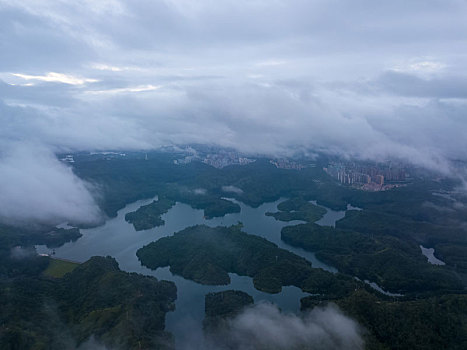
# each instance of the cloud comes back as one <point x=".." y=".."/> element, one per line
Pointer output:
<point x="20" y="253"/>
<point x="92" y="344"/>
<point x="36" y="186"/>
<point x="264" y="326"/>
<point x="364" y="79"/>
<point x="410" y="85"/>
<point x="53" y="77"/>
<point x="141" y="88"/>
<point x="232" y="189"/>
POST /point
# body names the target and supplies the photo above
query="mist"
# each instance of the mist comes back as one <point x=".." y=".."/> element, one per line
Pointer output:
<point x="264" y="326"/>
<point x="35" y="186"/>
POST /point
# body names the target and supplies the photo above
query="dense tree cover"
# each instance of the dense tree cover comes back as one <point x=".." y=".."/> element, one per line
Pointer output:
<point x="57" y="237"/>
<point x="226" y="303"/>
<point x="380" y="223"/>
<point x="96" y="299"/>
<point x="395" y="265"/>
<point x="298" y="209"/>
<point x="380" y="242"/>
<point x="16" y="259"/>
<point x="438" y="322"/>
<point x="38" y="234"/>
<point x="149" y="216"/>
<point x="450" y="243"/>
<point x="221" y="305"/>
<point x="126" y="180"/>
<point x="206" y="255"/>
<point x="454" y="255"/>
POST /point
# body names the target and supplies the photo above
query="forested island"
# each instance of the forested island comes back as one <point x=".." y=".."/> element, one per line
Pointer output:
<point x="298" y="209"/>
<point x="149" y="216"/>
<point x="206" y="255"/>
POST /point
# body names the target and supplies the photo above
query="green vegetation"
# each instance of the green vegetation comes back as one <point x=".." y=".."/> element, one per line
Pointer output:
<point x="226" y="303"/>
<point x="222" y="305"/>
<point x="206" y="255"/>
<point x="454" y="255"/>
<point x="38" y="234"/>
<point x="59" y="236"/>
<point x="395" y="265"/>
<point x="298" y="209"/>
<point x="58" y="268"/>
<point x="433" y="323"/>
<point x="450" y="243"/>
<point x="123" y="310"/>
<point x="149" y="216"/>
<point x="119" y="309"/>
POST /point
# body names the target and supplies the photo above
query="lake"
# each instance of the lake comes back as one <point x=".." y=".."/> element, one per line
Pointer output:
<point x="119" y="239"/>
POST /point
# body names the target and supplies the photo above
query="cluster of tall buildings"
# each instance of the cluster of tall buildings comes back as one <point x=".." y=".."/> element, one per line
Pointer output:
<point x="223" y="159"/>
<point x="353" y="174"/>
<point x="286" y="164"/>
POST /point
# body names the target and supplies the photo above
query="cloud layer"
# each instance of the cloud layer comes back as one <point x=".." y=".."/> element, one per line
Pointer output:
<point x="372" y="80"/>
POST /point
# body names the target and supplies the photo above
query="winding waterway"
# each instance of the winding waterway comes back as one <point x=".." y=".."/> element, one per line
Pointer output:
<point x="119" y="239"/>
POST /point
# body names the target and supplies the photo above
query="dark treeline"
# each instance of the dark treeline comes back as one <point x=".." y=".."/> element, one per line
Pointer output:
<point x="95" y="301"/>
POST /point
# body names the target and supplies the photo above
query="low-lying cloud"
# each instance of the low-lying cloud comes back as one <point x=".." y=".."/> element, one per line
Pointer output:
<point x="264" y="326"/>
<point x="232" y="189"/>
<point x="35" y="186"/>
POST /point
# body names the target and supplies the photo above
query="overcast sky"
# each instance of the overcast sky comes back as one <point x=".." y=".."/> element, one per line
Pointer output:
<point x="362" y="78"/>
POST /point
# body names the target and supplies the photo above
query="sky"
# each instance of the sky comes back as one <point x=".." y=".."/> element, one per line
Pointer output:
<point x="365" y="79"/>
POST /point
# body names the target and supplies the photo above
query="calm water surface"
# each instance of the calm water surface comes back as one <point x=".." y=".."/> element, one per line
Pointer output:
<point x="430" y="255"/>
<point x="119" y="239"/>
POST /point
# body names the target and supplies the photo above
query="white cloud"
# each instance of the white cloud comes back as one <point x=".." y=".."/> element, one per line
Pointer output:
<point x="101" y="66"/>
<point x="263" y="326"/>
<point x="36" y="186"/>
<point x="424" y="67"/>
<point x="141" y="88"/>
<point x="53" y="77"/>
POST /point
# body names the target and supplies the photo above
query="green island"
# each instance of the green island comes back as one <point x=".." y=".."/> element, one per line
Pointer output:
<point x="298" y="209"/>
<point x="397" y="266"/>
<point x="96" y="299"/>
<point x="149" y="216"/>
<point x="207" y="255"/>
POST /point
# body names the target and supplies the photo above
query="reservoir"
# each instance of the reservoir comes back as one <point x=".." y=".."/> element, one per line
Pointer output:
<point x="119" y="239"/>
